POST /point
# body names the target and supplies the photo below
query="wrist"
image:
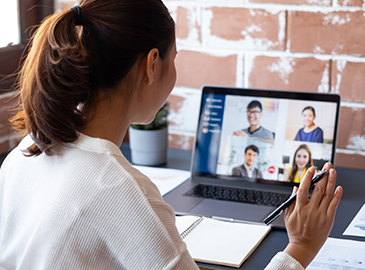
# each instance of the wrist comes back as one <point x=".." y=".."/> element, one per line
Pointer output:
<point x="302" y="253"/>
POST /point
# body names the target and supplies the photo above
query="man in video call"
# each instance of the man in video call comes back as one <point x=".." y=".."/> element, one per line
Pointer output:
<point x="247" y="168"/>
<point x="254" y="114"/>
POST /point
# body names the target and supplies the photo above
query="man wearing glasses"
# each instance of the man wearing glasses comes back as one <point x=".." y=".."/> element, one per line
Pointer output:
<point x="254" y="113"/>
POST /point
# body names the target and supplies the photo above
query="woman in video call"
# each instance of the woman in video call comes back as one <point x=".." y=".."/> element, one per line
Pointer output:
<point x="302" y="161"/>
<point x="310" y="132"/>
<point x="69" y="199"/>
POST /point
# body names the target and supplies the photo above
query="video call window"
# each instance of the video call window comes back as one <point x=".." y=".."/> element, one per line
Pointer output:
<point x="274" y="139"/>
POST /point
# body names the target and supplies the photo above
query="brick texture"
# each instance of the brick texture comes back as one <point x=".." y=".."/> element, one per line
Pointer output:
<point x="327" y="33"/>
<point x="348" y="80"/>
<point x="355" y="160"/>
<point x="351" y="133"/>
<point x="187" y="25"/>
<point x="300" y="45"/>
<point x="176" y="102"/>
<point x="195" y="69"/>
<point x="255" y="28"/>
<point x="184" y="108"/>
<point x="351" y="3"/>
<point x="182" y="23"/>
<point x="288" y="73"/>
<point x="181" y="142"/>
<point x="295" y="2"/>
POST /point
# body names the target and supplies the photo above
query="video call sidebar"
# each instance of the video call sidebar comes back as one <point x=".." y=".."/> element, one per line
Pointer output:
<point x="209" y="133"/>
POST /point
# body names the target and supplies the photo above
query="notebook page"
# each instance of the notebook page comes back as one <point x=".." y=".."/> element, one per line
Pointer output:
<point x="183" y="222"/>
<point x="220" y="242"/>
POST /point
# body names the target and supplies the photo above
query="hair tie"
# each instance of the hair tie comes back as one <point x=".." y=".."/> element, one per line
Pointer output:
<point x="77" y="9"/>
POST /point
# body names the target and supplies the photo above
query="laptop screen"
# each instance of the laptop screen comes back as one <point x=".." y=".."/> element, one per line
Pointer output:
<point x="264" y="135"/>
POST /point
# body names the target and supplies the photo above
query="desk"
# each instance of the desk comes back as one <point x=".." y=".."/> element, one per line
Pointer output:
<point x="352" y="180"/>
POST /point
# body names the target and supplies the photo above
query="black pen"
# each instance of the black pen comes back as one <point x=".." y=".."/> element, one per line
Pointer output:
<point x="277" y="212"/>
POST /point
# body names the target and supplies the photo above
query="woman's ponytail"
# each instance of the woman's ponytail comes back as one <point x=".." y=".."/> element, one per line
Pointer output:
<point x="79" y="53"/>
<point x="53" y="82"/>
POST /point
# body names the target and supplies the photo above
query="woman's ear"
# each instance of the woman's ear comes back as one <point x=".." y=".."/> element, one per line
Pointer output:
<point x="151" y="65"/>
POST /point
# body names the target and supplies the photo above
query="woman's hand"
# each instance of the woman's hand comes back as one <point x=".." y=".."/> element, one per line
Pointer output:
<point x="309" y="222"/>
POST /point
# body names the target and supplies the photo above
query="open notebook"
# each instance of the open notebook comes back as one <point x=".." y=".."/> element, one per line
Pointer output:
<point x="269" y="124"/>
<point x="220" y="242"/>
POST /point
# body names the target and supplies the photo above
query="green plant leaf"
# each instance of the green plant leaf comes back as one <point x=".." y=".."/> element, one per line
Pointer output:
<point x="160" y="121"/>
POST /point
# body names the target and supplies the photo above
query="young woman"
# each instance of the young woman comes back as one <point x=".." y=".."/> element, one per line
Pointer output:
<point x="310" y="132"/>
<point x="68" y="197"/>
<point x="302" y="161"/>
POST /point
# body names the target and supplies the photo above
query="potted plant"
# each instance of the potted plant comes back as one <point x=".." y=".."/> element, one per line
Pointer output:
<point x="148" y="143"/>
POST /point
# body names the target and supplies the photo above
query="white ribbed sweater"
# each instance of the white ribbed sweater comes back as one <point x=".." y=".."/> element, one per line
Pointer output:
<point x="87" y="208"/>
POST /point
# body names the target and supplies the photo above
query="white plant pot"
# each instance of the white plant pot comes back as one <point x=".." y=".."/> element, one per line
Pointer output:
<point x="148" y="147"/>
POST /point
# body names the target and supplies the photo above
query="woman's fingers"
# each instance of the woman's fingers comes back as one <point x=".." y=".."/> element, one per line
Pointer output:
<point x="310" y="221"/>
<point x="328" y="189"/>
<point x="332" y="207"/>
<point x="321" y="187"/>
<point x="302" y="197"/>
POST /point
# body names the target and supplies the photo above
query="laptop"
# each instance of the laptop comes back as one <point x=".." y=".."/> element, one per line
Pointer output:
<point x="251" y="147"/>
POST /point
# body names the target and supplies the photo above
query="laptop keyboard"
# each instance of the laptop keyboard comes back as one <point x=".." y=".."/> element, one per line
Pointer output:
<point x="238" y="195"/>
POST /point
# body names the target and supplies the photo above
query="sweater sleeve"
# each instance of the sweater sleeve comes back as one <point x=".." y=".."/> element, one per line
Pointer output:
<point x="283" y="261"/>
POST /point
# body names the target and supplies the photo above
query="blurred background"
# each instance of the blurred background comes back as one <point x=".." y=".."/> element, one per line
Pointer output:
<point x="297" y="45"/>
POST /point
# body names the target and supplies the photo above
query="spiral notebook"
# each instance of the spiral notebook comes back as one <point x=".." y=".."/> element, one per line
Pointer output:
<point x="220" y="242"/>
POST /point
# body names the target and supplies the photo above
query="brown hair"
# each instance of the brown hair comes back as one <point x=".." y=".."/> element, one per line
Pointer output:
<point x="294" y="169"/>
<point x="253" y="148"/>
<point x="67" y="65"/>
<point x="309" y="108"/>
